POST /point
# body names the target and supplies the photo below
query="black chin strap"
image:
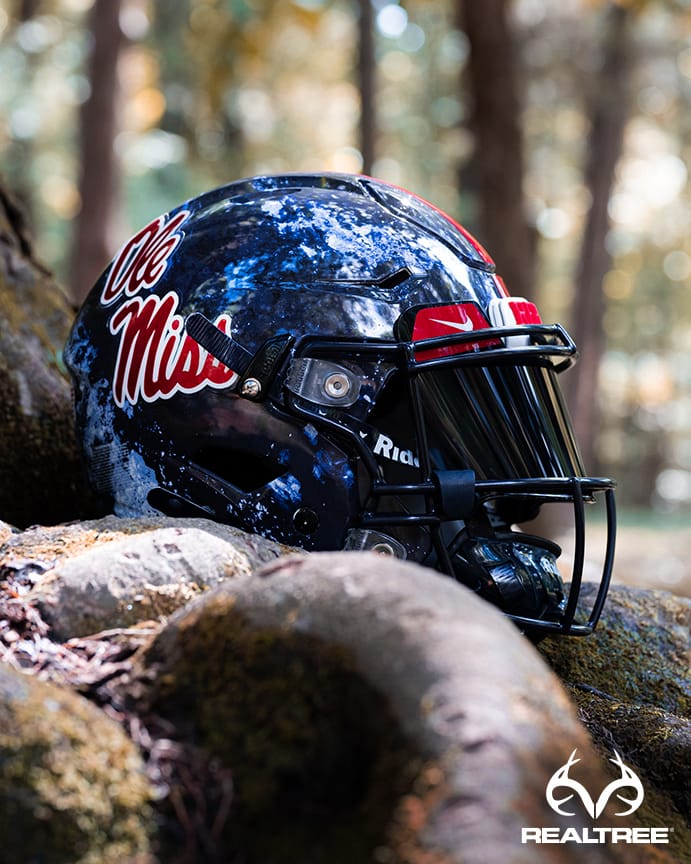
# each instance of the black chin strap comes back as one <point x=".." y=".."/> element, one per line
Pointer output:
<point x="255" y="371"/>
<point x="221" y="346"/>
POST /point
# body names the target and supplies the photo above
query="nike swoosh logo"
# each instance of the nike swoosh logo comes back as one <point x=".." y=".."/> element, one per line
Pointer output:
<point x="465" y="326"/>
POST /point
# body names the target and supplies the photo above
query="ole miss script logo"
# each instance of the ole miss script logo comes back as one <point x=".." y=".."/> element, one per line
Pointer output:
<point x="155" y="358"/>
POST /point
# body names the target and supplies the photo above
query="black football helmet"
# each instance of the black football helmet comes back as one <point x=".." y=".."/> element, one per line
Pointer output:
<point x="331" y="362"/>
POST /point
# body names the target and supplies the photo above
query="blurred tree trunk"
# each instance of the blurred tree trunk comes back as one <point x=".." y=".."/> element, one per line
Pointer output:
<point x="367" y="73"/>
<point x="92" y="246"/>
<point x="23" y="186"/>
<point x="608" y="112"/>
<point x="495" y="174"/>
<point x="28" y="9"/>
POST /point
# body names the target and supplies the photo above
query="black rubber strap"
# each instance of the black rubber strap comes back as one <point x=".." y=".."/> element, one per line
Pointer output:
<point x="218" y="343"/>
<point x="456" y="491"/>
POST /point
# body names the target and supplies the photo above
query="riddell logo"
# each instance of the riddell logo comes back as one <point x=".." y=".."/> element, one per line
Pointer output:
<point x="565" y="805"/>
<point x="386" y="448"/>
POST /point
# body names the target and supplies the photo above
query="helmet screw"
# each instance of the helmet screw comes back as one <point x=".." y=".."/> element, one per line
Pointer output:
<point x="305" y="520"/>
<point x="383" y="549"/>
<point x="336" y="385"/>
<point x="251" y="387"/>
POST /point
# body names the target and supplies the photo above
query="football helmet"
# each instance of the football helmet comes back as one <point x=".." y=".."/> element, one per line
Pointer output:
<point x="331" y="362"/>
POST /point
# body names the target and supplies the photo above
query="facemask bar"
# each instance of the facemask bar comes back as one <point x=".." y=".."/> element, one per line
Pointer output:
<point x="546" y="344"/>
<point x="577" y="490"/>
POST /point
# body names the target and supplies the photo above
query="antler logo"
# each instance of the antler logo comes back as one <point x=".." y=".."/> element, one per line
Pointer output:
<point x="561" y="780"/>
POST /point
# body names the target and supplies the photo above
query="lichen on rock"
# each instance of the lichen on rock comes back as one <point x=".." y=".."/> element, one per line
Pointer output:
<point x="367" y="710"/>
<point x="112" y="572"/>
<point x="72" y="785"/>
<point x="630" y="681"/>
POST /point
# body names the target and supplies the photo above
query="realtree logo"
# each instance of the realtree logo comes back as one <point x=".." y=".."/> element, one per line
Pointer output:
<point x="562" y="781"/>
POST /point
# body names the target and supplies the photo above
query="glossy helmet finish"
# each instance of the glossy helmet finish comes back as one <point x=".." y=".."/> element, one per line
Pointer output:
<point x="331" y="362"/>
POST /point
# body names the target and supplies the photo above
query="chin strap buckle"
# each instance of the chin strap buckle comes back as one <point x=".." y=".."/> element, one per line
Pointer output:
<point x="255" y="371"/>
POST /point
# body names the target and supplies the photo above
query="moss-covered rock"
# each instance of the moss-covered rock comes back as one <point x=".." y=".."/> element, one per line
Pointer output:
<point x="368" y="710"/>
<point x="630" y="681"/>
<point x="72" y="785"/>
<point x="303" y="733"/>
<point x="364" y="709"/>
<point x="638" y="653"/>
<point x="40" y="473"/>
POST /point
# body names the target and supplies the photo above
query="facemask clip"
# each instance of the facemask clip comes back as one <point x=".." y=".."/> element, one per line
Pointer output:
<point x="323" y="383"/>
<point x="456" y="492"/>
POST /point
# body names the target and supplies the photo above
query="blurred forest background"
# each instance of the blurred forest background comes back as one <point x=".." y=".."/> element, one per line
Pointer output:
<point x="557" y="131"/>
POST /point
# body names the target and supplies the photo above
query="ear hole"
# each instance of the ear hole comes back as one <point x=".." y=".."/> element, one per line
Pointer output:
<point x="245" y="471"/>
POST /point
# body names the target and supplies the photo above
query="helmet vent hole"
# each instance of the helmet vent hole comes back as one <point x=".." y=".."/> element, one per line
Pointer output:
<point x="393" y="280"/>
<point x="245" y="471"/>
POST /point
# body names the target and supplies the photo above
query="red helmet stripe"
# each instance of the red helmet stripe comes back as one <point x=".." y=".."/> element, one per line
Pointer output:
<point x="448" y="320"/>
